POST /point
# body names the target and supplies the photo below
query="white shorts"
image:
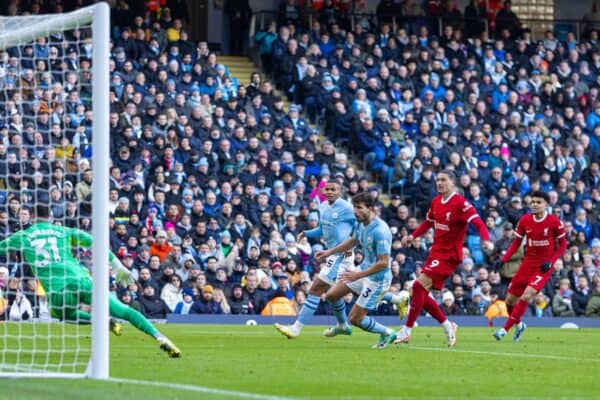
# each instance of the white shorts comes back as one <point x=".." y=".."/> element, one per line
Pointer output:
<point x="334" y="265"/>
<point x="369" y="292"/>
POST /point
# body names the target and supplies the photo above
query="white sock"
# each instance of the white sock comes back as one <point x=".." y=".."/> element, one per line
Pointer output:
<point x="388" y="331"/>
<point x="343" y="326"/>
<point x="447" y="326"/>
<point x="396" y="299"/>
<point x="406" y="329"/>
<point x="297" y="326"/>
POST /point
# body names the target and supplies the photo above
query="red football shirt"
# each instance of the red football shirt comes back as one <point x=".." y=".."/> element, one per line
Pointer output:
<point x="450" y="220"/>
<point x="541" y="236"/>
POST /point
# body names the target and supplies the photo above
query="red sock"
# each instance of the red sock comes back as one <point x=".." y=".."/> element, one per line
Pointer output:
<point x="509" y="308"/>
<point x="416" y="303"/>
<point x="434" y="309"/>
<point x="516" y="314"/>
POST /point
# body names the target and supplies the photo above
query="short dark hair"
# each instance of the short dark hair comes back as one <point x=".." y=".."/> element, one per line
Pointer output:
<point x="540" y="194"/>
<point x="42" y="211"/>
<point x="363" y="198"/>
<point x="449" y="173"/>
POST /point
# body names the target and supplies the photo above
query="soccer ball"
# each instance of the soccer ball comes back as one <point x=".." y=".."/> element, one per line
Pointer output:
<point x="251" y="322"/>
<point x="569" y="325"/>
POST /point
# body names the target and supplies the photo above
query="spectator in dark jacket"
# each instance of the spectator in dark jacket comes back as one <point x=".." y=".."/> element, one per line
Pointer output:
<point x="206" y="304"/>
<point x="153" y="307"/>
<point x="238" y="302"/>
<point x="581" y="295"/>
<point x="507" y="20"/>
<point x="287" y="66"/>
<point x="266" y="290"/>
<point x="425" y="189"/>
<point x="386" y="152"/>
<point x="255" y="299"/>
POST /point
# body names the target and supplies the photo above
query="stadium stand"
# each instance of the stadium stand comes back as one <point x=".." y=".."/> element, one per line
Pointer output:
<point x="215" y="162"/>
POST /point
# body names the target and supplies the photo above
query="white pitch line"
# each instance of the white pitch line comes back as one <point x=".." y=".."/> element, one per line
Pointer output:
<point x="492" y="353"/>
<point x="200" y="389"/>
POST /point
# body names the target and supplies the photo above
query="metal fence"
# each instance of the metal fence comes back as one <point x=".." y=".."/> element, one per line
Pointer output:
<point x="261" y="19"/>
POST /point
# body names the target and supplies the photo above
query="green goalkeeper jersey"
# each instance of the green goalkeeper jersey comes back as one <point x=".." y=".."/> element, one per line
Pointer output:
<point x="47" y="248"/>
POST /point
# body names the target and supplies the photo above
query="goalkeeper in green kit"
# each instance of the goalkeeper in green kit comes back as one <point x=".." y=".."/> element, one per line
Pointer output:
<point x="47" y="248"/>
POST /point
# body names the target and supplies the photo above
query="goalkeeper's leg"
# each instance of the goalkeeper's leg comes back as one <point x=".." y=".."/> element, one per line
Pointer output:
<point x="119" y="310"/>
<point x="122" y="311"/>
<point x="65" y="304"/>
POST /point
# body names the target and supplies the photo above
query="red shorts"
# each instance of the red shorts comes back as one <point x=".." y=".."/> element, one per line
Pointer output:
<point x="529" y="275"/>
<point x="440" y="267"/>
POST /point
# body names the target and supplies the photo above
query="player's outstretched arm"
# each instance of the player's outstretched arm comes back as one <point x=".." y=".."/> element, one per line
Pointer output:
<point x="512" y="249"/>
<point x="80" y="238"/>
<point x="560" y="249"/>
<point x="314" y="233"/>
<point x="122" y="274"/>
<point x="379" y="265"/>
<point x="478" y="223"/>
<point x="423" y="228"/>
<point x="346" y="245"/>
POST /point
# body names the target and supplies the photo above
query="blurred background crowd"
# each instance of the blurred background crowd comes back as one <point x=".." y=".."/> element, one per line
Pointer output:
<point x="211" y="181"/>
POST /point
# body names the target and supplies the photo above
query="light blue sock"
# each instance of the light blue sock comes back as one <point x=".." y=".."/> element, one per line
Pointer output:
<point x="308" y="309"/>
<point x="339" y="310"/>
<point x="370" y="325"/>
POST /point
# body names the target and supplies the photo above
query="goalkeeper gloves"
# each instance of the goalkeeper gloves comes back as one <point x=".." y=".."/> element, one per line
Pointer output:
<point x="124" y="277"/>
<point x="122" y="274"/>
<point x="497" y="265"/>
<point x="545" y="267"/>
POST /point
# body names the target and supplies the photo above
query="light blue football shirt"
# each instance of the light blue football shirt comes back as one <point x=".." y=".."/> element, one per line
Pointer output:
<point x="336" y="222"/>
<point x="375" y="240"/>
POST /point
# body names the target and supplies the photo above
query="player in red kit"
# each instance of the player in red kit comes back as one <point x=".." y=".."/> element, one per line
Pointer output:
<point x="449" y="214"/>
<point x="542" y="232"/>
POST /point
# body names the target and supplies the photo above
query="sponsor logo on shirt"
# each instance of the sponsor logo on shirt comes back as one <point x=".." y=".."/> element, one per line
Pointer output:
<point x="538" y="243"/>
<point x="442" y="227"/>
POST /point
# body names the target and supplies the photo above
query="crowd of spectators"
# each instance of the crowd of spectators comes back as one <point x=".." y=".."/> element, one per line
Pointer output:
<point x="212" y="181"/>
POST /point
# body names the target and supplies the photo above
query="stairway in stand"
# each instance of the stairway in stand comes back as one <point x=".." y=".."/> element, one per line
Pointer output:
<point x="239" y="67"/>
<point x="242" y="67"/>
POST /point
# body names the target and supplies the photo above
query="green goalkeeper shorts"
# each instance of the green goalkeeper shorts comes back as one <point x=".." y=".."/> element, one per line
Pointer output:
<point x="64" y="303"/>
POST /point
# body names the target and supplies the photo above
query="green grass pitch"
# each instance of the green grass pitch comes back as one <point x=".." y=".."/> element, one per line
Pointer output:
<point x="229" y="362"/>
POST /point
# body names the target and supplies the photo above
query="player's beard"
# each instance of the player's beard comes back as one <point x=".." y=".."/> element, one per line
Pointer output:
<point x="359" y="218"/>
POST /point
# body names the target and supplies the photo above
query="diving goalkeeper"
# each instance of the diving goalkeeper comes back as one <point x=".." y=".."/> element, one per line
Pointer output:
<point x="47" y="248"/>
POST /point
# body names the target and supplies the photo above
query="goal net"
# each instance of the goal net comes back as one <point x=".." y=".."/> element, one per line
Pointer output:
<point x="54" y="147"/>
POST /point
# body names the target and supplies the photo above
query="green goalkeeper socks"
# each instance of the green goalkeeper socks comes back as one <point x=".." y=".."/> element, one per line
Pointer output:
<point x="122" y="311"/>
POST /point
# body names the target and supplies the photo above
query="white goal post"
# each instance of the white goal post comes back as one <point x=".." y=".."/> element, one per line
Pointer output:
<point x="21" y="31"/>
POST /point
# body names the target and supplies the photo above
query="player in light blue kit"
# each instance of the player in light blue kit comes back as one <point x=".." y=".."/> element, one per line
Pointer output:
<point x="336" y="222"/>
<point x="374" y="275"/>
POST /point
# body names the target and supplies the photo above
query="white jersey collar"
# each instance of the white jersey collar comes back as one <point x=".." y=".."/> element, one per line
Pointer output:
<point x="448" y="199"/>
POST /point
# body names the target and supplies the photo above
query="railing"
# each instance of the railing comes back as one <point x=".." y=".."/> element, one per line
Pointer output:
<point x="436" y="24"/>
